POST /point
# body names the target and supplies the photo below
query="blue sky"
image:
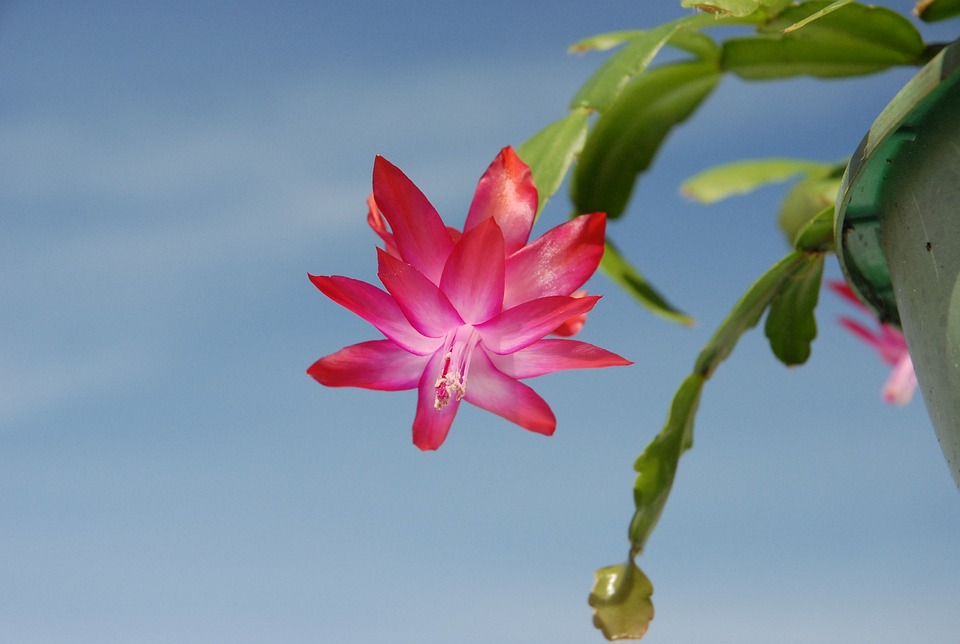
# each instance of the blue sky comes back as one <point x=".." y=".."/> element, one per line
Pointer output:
<point x="168" y="176"/>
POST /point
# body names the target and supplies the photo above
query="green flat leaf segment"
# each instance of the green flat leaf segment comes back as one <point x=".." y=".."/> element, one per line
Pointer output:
<point x="934" y="10"/>
<point x="617" y="268"/>
<point x="628" y="135"/>
<point x="621" y="601"/>
<point x="550" y="152"/>
<point x="830" y="8"/>
<point x="695" y="42"/>
<point x="605" y="41"/>
<point x="743" y="177"/>
<point x="851" y="40"/>
<point x="657" y="466"/>
<point x="748" y="311"/>
<point x="852" y="23"/>
<point x="686" y="38"/>
<point x="791" y="325"/>
<point x="603" y="87"/>
<point x="605" y="84"/>
<point x="736" y="8"/>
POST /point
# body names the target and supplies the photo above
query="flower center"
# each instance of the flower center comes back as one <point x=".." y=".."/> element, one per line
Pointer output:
<point x="452" y="383"/>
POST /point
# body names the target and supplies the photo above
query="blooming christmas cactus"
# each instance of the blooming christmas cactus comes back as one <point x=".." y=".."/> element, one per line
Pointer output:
<point x="467" y="315"/>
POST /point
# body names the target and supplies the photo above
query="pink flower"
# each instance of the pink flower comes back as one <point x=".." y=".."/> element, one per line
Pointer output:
<point x="465" y="315"/>
<point x="889" y="343"/>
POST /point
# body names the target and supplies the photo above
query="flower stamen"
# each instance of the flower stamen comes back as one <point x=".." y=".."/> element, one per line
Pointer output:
<point x="448" y="384"/>
<point x="452" y="382"/>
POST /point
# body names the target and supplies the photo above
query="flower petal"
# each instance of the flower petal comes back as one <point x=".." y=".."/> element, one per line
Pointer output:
<point x="526" y="323"/>
<point x="506" y="193"/>
<point x="888" y="343"/>
<point x="431" y="425"/>
<point x="377" y="308"/>
<point x="859" y="330"/>
<point x="552" y="355"/>
<point x="377" y="223"/>
<point x="902" y="382"/>
<point x="558" y="262"/>
<point x="377" y="364"/>
<point x="570" y="327"/>
<point x="490" y="389"/>
<point x="420" y="235"/>
<point x="574" y="325"/>
<point x="473" y="276"/>
<point x="422" y="302"/>
<point x="843" y="290"/>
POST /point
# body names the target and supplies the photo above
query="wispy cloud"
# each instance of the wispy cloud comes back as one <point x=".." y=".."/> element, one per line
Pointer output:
<point x="32" y="380"/>
<point x="116" y="217"/>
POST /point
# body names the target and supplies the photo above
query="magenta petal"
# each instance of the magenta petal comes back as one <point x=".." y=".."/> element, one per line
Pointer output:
<point x="431" y="425"/>
<point x="473" y="276"/>
<point x="420" y="235"/>
<point x="378" y="364"/>
<point x="888" y="343"/>
<point x="843" y="290"/>
<point x="860" y="331"/>
<point x="506" y="193"/>
<point x="558" y="262"/>
<point x="573" y="326"/>
<point x="899" y="388"/>
<point x="497" y="392"/>
<point x="422" y="302"/>
<point x="526" y="323"/>
<point x="377" y="308"/>
<point x="379" y="226"/>
<point x="552" y="355"/>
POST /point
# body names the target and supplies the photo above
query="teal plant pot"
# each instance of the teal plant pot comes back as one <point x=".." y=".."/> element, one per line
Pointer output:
<point x="898" y="232"/>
